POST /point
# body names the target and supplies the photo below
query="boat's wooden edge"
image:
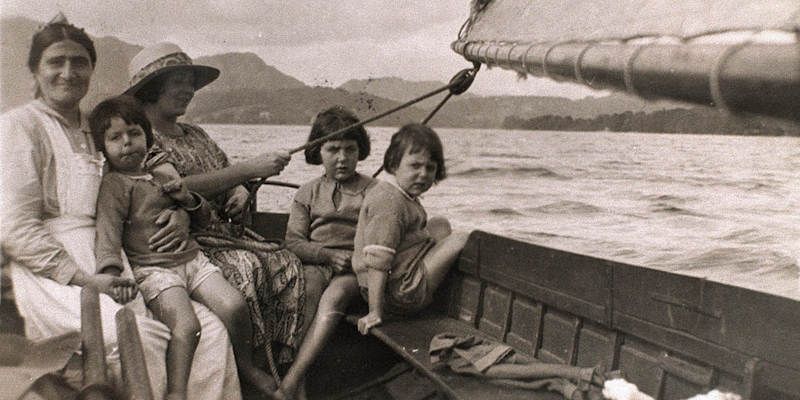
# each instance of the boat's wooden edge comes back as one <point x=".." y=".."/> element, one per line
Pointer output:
<point x="617" y="295"/>
<point x="675" y="334"/>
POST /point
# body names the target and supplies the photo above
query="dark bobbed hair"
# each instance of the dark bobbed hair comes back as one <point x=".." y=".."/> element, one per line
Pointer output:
<point x="54" y="33"/>
<point x="330" y="121"/>
<point x="413" y="138"/>
<point x="125" y="107"/>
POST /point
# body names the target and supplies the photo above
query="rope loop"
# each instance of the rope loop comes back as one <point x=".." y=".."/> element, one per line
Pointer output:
<point x="627" y="73"/>
<point x="579" y="60"/>
<point x="714" y="77"/>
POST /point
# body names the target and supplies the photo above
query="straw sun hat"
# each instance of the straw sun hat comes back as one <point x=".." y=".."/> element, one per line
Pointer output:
<point x="161" y="58"/>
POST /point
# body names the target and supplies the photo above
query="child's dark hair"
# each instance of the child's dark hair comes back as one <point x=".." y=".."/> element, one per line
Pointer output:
<point x="125" y="107"/>
<point x="415" y="138"/>
<point x="330" y="121"/>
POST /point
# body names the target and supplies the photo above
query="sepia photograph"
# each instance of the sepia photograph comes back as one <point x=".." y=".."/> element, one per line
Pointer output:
<point x="401" y="200"/>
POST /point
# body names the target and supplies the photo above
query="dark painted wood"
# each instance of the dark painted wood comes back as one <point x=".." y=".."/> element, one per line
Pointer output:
<point x="598" y="346"/>
<point x="467" y="300"/>
<point x="740" y="319"/>
<point x="525" y="330"/>
<point x="270" y="225"/>
<point x="496" y="312"/>
<point x="559" y="335"/>
<point x="578" y="284"/>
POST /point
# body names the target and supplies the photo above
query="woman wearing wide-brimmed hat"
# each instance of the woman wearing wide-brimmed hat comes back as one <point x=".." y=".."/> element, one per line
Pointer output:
<point x="164" y="79"/>
<point x="50" y="174"/>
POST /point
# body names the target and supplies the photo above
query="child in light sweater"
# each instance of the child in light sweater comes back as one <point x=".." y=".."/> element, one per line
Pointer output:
<point x="400" y="257"/>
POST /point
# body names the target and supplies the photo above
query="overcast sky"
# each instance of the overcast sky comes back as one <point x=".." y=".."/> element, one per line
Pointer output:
<point x="321" y="42"/>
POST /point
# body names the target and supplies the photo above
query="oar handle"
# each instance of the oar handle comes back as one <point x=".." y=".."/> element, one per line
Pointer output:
<point x="94" y="355"/>
<point x="131" y="354"/>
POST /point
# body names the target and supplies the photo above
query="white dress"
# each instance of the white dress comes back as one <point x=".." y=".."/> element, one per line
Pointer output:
<point x="50" y="308"/>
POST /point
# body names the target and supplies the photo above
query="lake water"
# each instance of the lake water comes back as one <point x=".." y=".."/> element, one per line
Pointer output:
<point x="722" y="207"/>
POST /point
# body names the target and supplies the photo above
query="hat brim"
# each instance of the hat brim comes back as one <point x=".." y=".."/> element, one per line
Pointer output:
<point x="203" y="75"/>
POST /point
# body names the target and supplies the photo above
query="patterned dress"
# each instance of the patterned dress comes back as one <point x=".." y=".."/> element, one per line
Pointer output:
<point x="272" y="282"/>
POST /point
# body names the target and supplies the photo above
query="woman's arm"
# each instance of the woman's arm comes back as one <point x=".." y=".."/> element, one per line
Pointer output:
<point x="213" y="183"/>
<point x="24" y="237"/>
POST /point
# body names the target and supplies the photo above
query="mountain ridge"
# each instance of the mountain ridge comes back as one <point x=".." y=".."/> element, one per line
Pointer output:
<point x="250" y="91"/>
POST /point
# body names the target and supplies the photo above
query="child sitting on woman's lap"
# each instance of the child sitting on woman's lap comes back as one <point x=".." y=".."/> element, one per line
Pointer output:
<point x="400" y="257"/>
<point x="129" y="202"/>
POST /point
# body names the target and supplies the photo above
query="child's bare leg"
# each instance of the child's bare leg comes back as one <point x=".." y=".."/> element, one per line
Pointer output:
<point x="335" y="299"/>
<point x="315" y="285"/>
<point x="174" y="309"/>
<point x="229" y="305"/>
<point x="442" y="256"/>
<point x="439" y="228"/>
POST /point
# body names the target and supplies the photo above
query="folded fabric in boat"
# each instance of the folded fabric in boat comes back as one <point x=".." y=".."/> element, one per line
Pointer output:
<point x="499" y="364"/>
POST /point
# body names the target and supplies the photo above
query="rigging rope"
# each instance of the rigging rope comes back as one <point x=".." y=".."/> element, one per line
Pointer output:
<point x="458" y="84"/>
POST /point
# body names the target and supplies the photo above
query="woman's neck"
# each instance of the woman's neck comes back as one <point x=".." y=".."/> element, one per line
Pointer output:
<point x="72" y="114"/>
<point x="166" y="125"/>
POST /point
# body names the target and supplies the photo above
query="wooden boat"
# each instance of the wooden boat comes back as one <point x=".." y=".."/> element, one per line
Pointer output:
<point x="673" y="336"/>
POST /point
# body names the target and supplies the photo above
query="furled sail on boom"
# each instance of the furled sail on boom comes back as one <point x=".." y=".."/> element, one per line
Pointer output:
<point x="740" y="55"/>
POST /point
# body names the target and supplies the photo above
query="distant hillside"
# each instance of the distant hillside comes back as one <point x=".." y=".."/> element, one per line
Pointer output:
<point x="239" y="70"/>
<point x="292" y="106"/>
<point x="16" y="83"/>
<point x="246" y="70"/>
<point x="251" y="92"/>
<point x="694" y="120"/>
<point x="397" y="89"/>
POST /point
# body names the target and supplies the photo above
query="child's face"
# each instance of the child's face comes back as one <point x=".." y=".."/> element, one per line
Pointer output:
<point x="339" y="157"/>
<point x="126" y="145"/>
<point x="416" y="172"/>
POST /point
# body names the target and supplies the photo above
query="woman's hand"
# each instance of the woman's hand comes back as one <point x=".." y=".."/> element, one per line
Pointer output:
<point x="237" y="201"/>
<point x="268" y="164"/>
<point x="368" y="321"/>
<point x="177" y="190"/>
<point x="337" y="258"/>
<point x="174" y="232"/>
<point x="122" y="290"/>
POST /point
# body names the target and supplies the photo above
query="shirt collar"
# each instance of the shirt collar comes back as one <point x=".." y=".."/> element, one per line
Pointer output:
<point x="392" y="180"/>
<point x="357" y="184"/>
<point x="43" y="107"/>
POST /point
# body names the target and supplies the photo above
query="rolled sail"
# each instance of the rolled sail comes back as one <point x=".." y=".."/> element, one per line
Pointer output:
<point x="740" y="55"/>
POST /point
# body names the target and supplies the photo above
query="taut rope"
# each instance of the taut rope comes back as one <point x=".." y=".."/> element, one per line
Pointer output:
<point x="458" y="84"/>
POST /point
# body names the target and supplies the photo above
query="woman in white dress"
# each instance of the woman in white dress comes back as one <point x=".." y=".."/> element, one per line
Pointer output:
<point x="50" y="179"/>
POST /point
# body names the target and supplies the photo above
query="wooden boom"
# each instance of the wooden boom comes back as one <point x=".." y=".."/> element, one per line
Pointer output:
<point x="750" y="77"/>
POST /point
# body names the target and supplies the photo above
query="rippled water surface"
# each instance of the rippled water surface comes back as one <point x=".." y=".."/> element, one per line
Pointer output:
<point x="723" y="207"/>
